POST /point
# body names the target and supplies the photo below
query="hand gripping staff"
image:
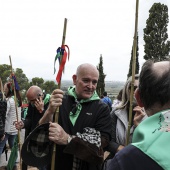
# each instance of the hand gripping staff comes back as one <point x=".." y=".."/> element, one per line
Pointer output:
<point x="17" y="143"/>
<point x="62" y="57"/>
<point x="133" y="73"/>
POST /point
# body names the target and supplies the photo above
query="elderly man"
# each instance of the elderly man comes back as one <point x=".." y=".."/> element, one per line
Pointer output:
<point x="84" y="122"/>
<point x="38" y="103"/>
<point x="150" y="146"/>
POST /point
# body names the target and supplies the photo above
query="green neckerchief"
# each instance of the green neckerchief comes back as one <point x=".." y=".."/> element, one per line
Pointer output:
<point x="152" y="137"/>
<point x="74" y="116"/>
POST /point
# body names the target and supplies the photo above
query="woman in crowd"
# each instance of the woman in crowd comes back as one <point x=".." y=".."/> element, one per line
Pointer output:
<point x="120" y="118"/>
<point x="10" y="130"/>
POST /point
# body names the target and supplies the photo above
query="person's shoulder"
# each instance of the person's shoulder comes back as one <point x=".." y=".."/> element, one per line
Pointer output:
<point x="142" y="161"/>
<point x="104" y="98"/>
<point x="101" y="102"/>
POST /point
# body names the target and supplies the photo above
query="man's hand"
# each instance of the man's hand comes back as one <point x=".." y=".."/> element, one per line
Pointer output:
<point x="55" y="100"/>
<point x="39" y="104"/>
<point x="57" y="134"/>
<point x="139" y="115"/>
<point x="19" y="125"/>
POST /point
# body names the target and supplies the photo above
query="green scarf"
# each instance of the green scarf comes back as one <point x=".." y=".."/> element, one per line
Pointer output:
<point x="152" y="137"/>
<point x="73" y="116"/>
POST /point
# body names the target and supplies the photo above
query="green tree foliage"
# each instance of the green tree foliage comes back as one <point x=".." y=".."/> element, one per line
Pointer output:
<point x="101" y="82"/>
<point x="131" y="61"/>
<point x="49" y="86"/>
<point x="20" y="76"/>
<point x="37" y="81"/>
<point x="22" y="79"/>
<point x="5" y="71"/>
<point x="155" y="34"/>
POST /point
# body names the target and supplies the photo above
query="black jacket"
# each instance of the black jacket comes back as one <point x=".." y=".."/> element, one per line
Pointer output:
<point x="33" y="117"/>
<point x="132" y="158"/>
<point x="94" y="114"/>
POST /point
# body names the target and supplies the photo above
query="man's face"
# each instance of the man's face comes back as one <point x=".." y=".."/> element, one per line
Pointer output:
<point x="86" y="83"/>
<point x="32" y="98"/>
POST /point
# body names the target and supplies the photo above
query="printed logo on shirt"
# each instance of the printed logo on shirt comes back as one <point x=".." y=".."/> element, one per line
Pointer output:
<point x="90" y="114"/>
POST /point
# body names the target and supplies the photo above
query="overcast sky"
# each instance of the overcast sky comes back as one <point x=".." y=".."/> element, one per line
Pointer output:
<point x="31" y="31"/>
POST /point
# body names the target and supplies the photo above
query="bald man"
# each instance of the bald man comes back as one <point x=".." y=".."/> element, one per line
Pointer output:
<point x="38" y="104"/>
<point x="150" y="147"/>
<point x="36" y="108"/>
<point x="84" y="122"/>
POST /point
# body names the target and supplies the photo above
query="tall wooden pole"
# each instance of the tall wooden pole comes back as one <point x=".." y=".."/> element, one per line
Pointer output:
<point x="133" y="73"/>
<point x="16" y="108"/>
<point x="57" y="111"/>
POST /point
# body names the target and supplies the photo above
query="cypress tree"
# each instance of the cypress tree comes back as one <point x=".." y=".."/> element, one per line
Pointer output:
<point x="157" y="47"/>
<point x="131" y="61"/>
<point x="101" y="82"/>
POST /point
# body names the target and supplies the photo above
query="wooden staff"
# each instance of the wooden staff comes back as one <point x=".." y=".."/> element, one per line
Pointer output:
<point x="133" y="73"/>
<point x="16" y="108"/>
<point x="57" y="111"/>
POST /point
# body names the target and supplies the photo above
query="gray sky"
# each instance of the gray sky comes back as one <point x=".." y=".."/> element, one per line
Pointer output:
<point x="31" y="31"/>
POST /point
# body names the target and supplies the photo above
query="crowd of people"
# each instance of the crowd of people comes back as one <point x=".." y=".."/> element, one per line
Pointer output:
<point x="74" y="130"/>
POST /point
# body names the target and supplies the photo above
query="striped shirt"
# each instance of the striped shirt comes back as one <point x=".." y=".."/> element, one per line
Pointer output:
<point x="11" y="116"/>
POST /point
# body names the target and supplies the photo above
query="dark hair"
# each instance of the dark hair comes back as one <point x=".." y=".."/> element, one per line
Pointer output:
<point x="11" y="93"/>
<point x="153" y="88"/>
<point x="105" y="93"/>
<point x="119" y="96"/>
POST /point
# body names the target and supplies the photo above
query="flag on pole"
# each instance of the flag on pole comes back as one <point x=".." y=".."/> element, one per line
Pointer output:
<point x="13" y="155"/>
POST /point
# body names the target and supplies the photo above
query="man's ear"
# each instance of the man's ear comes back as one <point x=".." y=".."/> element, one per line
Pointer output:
<point x="137" y="96"/>
<point x="74" y="77"/>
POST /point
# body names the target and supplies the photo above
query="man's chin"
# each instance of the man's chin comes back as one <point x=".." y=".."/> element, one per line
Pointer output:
<point x="87" y="95"/>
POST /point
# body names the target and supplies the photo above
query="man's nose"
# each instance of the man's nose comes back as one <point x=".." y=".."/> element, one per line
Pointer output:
<point x="90" y="84"/>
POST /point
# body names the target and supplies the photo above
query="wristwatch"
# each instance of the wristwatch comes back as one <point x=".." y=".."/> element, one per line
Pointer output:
<point x="69" y="139"/>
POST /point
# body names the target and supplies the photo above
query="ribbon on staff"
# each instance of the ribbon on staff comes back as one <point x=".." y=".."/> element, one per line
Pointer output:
<point x="11" y="78"/>
<point x="62" y="57"/>
<point x="15" y="81"/>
